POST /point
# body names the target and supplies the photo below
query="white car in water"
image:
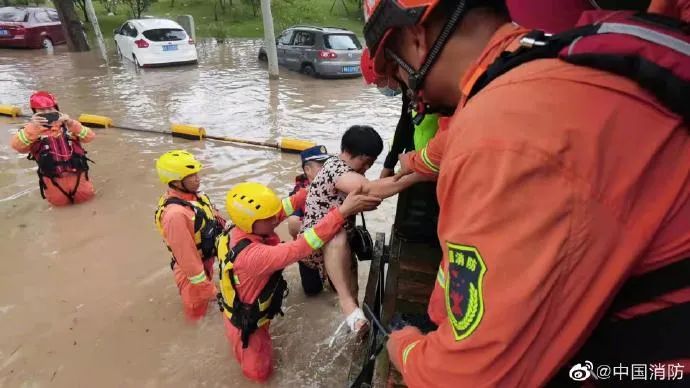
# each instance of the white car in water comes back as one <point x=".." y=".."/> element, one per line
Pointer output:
<point x="154" y="42"/>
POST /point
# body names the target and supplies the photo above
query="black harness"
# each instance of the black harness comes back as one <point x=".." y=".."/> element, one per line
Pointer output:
<point x="210" y="229"/>
<point x="246" y="316"/>
<point x="48" y="166"/>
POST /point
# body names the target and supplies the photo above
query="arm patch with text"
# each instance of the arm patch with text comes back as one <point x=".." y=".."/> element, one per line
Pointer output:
<point x="464" y="289"/>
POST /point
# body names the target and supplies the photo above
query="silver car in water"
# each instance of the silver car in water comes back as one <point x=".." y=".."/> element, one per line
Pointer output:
<point x="318" y="51"/>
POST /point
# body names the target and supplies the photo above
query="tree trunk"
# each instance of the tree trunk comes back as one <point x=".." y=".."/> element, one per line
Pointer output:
<point x="74" y="32"/>
<point x="86" y="15"/>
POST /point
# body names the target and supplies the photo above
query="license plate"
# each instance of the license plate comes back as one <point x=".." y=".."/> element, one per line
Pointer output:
<point x="350" y="69"/>
<point x="4" y="32"/>
<point x="170" y="47"/>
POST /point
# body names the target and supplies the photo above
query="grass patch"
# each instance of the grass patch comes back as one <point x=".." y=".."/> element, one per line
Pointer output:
<point x="238" y="19"/>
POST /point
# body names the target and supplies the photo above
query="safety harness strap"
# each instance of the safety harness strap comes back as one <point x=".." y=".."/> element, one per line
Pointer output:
<point x="662" y="335"/>
<point x="535" y="45"/>
<point x="670" y="89"/>
<point x="78" y="162"/>
<point x="230" y="258"/>
<point x="198" y="218"/>
<point x="654" y="337"/>
<point x="69" y="195"/>
<point x="235" y="251"/>
<point x="653" y="284"/>
<point x="249" y="316"/>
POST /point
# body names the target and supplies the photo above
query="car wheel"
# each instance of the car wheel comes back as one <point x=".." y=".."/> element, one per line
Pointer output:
<point x="309" y="70"/>
<point x="263" y="57"/>
<point x="46" y="43"/>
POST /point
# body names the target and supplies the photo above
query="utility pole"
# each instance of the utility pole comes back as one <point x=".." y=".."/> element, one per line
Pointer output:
<point x="71" y="25"/>
<point x="270" y="39"/>
<point x="96" y="29"/>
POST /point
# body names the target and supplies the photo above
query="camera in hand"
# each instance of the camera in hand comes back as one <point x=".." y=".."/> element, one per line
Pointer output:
<point x="51" y="117"/>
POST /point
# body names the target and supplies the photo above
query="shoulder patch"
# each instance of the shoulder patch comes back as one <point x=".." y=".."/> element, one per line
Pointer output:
<point x="464" y="289"/>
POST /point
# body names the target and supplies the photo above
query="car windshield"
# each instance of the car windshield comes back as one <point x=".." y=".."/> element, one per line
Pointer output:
<point x="13" y="15"/>
<point x="341" y="42"/>
<point x="165" y="34"/>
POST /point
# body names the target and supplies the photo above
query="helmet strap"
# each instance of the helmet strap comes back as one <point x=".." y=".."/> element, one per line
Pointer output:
<point x="416" y="78"/>
<point x="181" y="187"/>
<point x="186" y="190"/>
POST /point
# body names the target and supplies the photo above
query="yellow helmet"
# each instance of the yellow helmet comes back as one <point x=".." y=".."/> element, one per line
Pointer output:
<point x="248" y="202"/>
<point x="176" y="165"/>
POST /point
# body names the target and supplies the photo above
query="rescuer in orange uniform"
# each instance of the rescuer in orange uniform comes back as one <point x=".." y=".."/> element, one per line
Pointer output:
<point x="56" y="146"/>
<point x="557" y="185"/>
<point x="189" y="224"/>
<point x="252" y="260"/>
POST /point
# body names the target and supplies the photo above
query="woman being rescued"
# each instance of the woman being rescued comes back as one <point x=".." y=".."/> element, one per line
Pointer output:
<point x="53" y="140"/>
<point x="251" y="260"/>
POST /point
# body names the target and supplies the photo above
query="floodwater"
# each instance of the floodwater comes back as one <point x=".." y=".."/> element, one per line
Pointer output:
<point x="86" y="294"/>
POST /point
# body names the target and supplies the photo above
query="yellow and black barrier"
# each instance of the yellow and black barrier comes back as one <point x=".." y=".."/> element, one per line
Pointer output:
<point x="95" y="120"/>
<point x="185" y="131"/>
<point x="193" y="132"/>
<point x="10" y="110"/>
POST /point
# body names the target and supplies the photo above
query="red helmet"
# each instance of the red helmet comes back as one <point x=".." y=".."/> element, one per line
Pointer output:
<point x="42" y="100"/>
<point x="382" y="16"/>
<point x="367" y="67"/>
<point x="386" y="84"/>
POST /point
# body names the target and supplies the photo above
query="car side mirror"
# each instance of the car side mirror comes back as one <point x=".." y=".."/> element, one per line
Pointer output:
<point x="115" y="31"/>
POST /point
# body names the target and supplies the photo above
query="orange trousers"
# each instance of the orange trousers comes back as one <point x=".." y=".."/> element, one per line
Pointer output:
<point x="257" y="359"/>
<point x="67" y="182"/>
<point x="195" y="297"/>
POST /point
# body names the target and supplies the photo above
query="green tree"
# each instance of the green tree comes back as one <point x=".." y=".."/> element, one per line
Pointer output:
<point x="81" y="4"/>
<point x="76" y="38"/>
<point x="138" y="6"/>
<point x="255" y="4"/>
<point x="110" y="6"/>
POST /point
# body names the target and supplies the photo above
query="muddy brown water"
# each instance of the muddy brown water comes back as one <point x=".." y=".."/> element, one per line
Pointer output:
<point x="86" y="294"/>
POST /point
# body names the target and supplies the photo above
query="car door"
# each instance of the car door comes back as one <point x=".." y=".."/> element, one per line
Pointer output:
<point x="51" y="27"/>
<point x="40" y="27"/>
<point x="131" y="36"/>
<point x="56" y="28"/>
<point x="291" y="51"/>
<point x="301" y="49"/>
<point x="284" y="42"/>
<point x="119" y="36"/>
<point x="127" y="36"/>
